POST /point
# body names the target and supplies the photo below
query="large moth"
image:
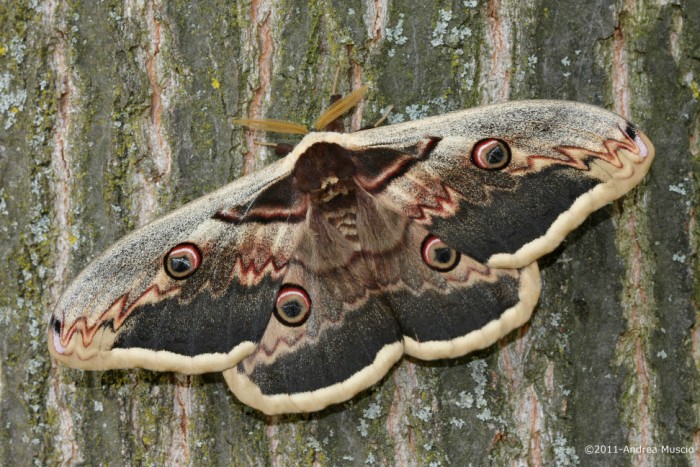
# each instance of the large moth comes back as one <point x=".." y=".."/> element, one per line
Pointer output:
<point x="306" y="281"/>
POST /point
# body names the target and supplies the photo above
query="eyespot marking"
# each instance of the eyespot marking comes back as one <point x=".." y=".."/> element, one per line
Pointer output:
<point x="438" y="256"/>
<point x="182" y="261"/>
<point x="293" y="305"/>
<point x="491" y="154"/>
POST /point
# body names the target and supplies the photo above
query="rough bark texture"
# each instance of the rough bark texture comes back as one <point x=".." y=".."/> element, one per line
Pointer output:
<point x="114" y="112"/>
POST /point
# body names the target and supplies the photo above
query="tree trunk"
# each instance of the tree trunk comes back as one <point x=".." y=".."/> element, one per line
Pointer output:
<point x="115" y="112"/>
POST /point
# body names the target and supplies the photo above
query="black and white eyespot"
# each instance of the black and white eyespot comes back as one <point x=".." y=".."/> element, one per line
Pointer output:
<point x="438" y="256"/>
<point x="293" y="305"/>
<point x="633" y="132"/>
<point x="182" y="261"/>
<point x="491" y="154"/>
<point x="56" y="335"/>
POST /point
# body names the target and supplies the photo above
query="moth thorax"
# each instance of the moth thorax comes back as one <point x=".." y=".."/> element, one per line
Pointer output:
<point x="325" y="168"/>
<point x="341" y="213"/>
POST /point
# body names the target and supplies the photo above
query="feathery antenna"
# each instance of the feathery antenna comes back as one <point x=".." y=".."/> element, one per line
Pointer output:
<point x="276" y="126"/>
<point x="340" y="107"/>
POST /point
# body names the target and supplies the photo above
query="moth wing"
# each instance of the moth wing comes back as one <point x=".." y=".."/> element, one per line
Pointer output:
<point x="447" y="303"/>
<point x="349" y="341"/>
<point x="124" y="309"/>
<point x="566" y="160"/>
<point x="367" y="307"/>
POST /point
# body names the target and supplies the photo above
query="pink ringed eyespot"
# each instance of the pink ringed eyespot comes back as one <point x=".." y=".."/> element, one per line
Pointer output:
<point x="182" y="261"/>
<point x="293" y="305"/>
<point x="491" y="154"/>
<point x="438" y="256"/>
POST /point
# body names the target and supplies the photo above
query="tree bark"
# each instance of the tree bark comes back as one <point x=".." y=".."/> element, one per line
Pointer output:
<point x="115" y="112"/>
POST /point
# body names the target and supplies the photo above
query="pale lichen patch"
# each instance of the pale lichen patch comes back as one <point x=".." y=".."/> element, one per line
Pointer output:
<point x="564" y="455"/>
<point x="12" y="99"/>
<point x="444" y="17"/>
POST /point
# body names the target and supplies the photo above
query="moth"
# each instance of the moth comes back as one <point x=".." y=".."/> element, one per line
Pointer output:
<point x="305" y="282"/>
